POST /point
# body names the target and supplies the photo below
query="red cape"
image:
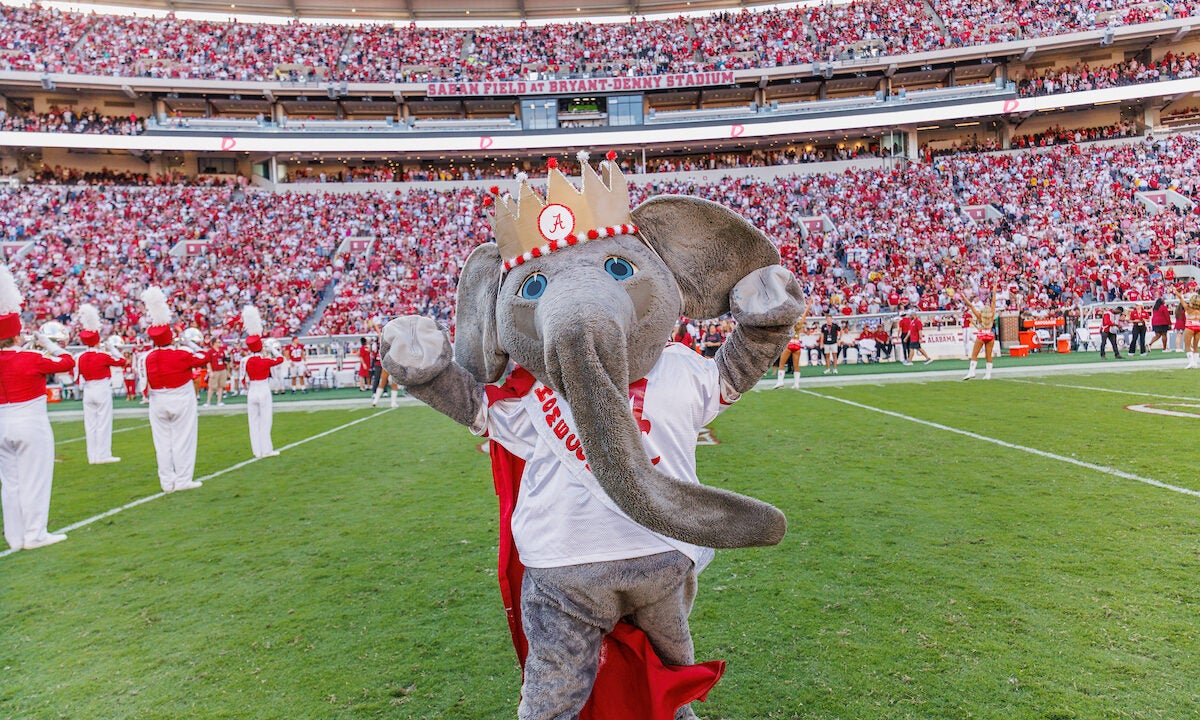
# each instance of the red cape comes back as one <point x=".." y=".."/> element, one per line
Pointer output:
<point x="631" y="682"/>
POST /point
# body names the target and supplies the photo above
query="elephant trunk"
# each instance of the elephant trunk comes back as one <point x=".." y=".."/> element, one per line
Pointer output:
<point x="588" y="366"/>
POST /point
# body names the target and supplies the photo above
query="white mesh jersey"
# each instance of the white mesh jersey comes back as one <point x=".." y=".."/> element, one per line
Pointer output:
<point x="563" y="517"/>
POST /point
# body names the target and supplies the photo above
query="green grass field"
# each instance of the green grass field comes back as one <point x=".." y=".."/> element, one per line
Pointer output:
<point x="927" y="573"/>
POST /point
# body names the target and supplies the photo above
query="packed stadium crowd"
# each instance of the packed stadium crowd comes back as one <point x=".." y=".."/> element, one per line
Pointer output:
<point x="1071" y="231"/>
<point x="1083" y="77"/>
<point x="49" y="40"/>
<point x="57" y="119"/>
<point x="793" y="155"/>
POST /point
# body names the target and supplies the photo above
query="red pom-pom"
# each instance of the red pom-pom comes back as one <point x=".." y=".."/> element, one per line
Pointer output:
<point x="487" y="200"/>
<point x="592" y="234"/>
<point x="495" y="189"/>
<point x="552" y="163"/>
<point x="611" y="155"/>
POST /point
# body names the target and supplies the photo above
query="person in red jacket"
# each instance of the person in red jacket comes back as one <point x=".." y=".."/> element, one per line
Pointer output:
<point x="365" y="358"/>
<point x="94" y="368"/>
<point x="26" y="440"/>
<point x="1138" y="316"/>
<point x="218" y="372"/>
<point x="174" y="422"/>
<point x="256" y="369"/>
<point x="1160" y="323"/>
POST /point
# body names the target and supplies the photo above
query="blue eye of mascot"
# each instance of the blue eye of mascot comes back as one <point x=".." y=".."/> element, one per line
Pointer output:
<point x="604" y="523"/>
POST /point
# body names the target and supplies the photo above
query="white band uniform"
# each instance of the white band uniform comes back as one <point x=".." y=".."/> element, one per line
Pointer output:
<point x="174" y="423"/>
<point x="259" y="413"/>
<point x="26" y="469"/>
<point x="98" y="419"/>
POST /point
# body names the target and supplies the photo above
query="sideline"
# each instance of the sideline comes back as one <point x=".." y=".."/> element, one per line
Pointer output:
<point x="1109" y="390"/>
<point x="68" y="441"/>
<point x="210" y="476"/>
<point x="1013" y="446"/>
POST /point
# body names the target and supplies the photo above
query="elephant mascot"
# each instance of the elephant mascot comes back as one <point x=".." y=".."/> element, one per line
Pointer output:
<point x="604" y="524"/>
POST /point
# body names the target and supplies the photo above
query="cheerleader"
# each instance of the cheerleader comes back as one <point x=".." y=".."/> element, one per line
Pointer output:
<point x="984" y="320"/>
<point x="1191" y="327"/>
<point x="792" y="352"/>
<point x="256" y="371"/>
<point x="26" y="440"/>
<point x="95" y="375"/>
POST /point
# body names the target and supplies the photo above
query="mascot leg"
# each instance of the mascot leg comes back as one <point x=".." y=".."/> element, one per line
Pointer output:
<point x="567" y="610"/>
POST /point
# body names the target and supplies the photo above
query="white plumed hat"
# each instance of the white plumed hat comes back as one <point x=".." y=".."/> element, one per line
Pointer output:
<point x="253" y="325"/>
<point x="160" y="316"/>
<point x="10" y="305"/>
<point x="89" y="320"/>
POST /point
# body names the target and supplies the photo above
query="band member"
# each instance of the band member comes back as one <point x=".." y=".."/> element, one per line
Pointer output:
<point x="95" y="375"/>
<point x="792" y="352"/>
<point x="984" y="320"/>
<point x="174" y="422"/>
<point x="218" y="372"/>
<point x="297" y="365"/>
<point x="26" y="440"/>
<point x="256" y="369"/>
<point x="1191" y="327"/>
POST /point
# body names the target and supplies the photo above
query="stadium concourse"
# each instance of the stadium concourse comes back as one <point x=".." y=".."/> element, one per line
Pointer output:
<point x="49" y="40"/>
<point x="887" y="239"/>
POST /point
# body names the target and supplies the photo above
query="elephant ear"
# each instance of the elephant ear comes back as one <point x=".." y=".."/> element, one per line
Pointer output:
<point x="476" y="342"/>
<point x="707" y="246"/>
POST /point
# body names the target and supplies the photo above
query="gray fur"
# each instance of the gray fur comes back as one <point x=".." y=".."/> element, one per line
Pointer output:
<point x="479" y="350"/>
<point x="765" y="303"/>
<point x="417" y="354"/>
<point x="707" y="246"/>
<point x="584" y="309"/>
<point x="567" y="611"/>
<point x="588" y="336"/>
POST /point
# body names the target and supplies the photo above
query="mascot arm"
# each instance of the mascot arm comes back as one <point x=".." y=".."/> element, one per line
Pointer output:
<point x="418" y="354"/>
<point x="765" y="304"/>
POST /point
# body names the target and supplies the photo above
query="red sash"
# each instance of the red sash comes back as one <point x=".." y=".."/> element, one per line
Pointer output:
<point x="631" y="681"/>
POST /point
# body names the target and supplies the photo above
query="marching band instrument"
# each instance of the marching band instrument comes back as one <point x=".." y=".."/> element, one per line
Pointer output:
<point x="193" y="339"/>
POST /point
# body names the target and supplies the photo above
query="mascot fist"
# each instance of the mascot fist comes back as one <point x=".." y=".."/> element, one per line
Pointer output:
<point x="414" y="350"/>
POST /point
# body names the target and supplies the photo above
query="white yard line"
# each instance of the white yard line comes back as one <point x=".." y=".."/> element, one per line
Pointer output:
<point x="1013" y="446"/>
<point x="210" y="476"/>
<point x="1110" y="390"/>
<point x="68" y="441"/>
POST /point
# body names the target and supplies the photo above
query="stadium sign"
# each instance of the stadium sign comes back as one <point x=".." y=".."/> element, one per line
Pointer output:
<point x="580" y="85"/>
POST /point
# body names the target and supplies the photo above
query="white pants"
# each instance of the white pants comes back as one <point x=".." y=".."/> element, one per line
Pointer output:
<point x="174" y="423"/>
<point x="258" y="410"/>
<point x="26" y="470"/>
<point x="97" y="419"/>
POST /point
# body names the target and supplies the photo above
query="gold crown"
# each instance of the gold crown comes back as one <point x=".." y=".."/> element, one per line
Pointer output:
<point x="530" y="227"/>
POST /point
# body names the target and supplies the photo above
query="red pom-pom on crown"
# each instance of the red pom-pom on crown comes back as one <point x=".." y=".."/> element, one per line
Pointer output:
<point x="611" y="155"/>
<point x="495" y="189"/>
<point x="552" y="163"/>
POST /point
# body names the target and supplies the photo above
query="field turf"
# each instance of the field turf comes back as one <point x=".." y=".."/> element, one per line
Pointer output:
<point x="1019" y="548"/>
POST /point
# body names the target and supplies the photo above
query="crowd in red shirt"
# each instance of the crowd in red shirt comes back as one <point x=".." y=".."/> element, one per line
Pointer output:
<point x="47" y="40"/>
<point x="1071" y="230"/>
